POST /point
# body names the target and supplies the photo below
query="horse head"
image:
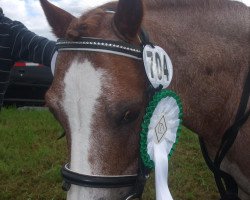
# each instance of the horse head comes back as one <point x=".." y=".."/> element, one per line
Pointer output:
<point x="99" y="98"/>
<point x="100" y="88"/>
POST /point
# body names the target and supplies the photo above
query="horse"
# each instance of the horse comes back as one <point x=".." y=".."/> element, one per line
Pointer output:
<point x="100" y="98"/>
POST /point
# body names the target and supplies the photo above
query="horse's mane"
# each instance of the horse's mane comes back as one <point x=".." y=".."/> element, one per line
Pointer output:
<point x="89" y="21"/>
<point x="193" y="3"/>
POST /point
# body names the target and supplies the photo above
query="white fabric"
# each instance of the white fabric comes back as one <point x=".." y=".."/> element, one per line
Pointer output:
<point x="53" y="63"/>
<point x="161" y="172"/>
<point x="158" y="150"/>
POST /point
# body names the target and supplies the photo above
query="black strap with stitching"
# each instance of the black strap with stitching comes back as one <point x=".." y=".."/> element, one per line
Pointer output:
<point x="75" y="178"/>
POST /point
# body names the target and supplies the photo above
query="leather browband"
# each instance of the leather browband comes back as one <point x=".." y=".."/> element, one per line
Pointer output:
<point x="100" y="45"/>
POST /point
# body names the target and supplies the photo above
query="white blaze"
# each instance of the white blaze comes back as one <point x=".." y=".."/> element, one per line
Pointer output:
<point x="82" y="89"/>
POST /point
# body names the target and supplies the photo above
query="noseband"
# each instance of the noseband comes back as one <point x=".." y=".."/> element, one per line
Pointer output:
<point x="136" y="181"/>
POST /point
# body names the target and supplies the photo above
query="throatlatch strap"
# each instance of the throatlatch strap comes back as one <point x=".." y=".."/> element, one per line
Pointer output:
<point x="226" y="184"/>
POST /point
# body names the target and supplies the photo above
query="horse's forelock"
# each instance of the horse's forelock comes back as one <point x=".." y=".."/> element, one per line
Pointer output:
<point x="87" y="25"/>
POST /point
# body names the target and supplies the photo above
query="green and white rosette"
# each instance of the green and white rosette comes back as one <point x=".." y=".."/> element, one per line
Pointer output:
<point x="160" y="131"/>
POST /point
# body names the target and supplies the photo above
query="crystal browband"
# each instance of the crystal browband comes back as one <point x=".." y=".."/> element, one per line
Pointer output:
<point x="100" y="45"/>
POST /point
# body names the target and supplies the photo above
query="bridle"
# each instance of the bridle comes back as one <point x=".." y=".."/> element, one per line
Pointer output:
<point x="137" y="181"/>
<point x="100" y="45"/>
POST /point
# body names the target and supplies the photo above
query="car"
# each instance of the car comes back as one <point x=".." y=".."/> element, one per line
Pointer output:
<point x="28" y="84"/>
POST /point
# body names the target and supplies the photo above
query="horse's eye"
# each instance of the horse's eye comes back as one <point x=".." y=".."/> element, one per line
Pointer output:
<point x="129" y="116"/>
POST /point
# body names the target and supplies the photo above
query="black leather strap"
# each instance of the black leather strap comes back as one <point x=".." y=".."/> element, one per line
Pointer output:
<point x="240" y="119"/>
<point x="101" y="45"/>
<point x="137" y="190"/>
<point x="226" y="184"/>
<point x="71" y="177"/>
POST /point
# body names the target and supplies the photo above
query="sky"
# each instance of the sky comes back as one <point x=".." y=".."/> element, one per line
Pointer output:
<point x="30" y="13"/>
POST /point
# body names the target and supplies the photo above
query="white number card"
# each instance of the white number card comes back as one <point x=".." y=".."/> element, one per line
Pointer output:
<point x="158" y="66"/>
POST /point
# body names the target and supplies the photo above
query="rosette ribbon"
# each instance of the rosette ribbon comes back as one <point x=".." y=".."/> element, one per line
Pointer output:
<point x="159" y="135"/>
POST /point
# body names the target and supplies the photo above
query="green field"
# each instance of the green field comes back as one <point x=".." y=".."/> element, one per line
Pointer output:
<point x="31" y="157"/>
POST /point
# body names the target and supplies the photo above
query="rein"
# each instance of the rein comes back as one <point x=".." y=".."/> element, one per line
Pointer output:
<point x="138" y="180"/>
<point x="226" y="184"/>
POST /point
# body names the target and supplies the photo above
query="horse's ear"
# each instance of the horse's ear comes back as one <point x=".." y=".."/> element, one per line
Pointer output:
<point x="128" y="17"/>
<point x="58" y="18"/>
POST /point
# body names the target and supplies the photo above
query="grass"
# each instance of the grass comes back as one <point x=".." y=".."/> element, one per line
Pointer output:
<point x="31" y="157"/>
